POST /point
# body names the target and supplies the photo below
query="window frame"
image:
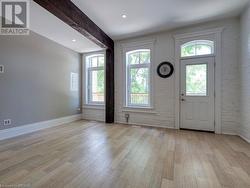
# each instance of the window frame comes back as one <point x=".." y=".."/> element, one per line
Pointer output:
<point x="128" y="78"/>
<point x="197" y="42"/>
<point x="137" y="46"/>
<point x="88" y="80"/>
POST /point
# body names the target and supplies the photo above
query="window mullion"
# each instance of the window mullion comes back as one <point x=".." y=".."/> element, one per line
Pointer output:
<point x="89" y="86"/>
<point x="128" y="85"/>
<point x="96" y="68"/>
<point x="145" y="65"/>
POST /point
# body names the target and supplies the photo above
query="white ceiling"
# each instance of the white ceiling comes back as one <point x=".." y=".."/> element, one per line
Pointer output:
<point x="49" y="26"/>
<point x="147" y="16"/>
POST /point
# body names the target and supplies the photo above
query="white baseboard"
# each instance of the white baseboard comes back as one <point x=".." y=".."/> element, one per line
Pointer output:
<point x="25" y="129"/>
<point x="244" y="138"/>
<point x="229" y="133"/>
<point x="145" y="125"/>
<point x="93" y="119"/>
<point x="237" y="134"/>
<point x="17" y="131"/>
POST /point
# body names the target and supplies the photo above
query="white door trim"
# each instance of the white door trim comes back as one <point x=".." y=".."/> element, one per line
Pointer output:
<point x="217" y="33"/>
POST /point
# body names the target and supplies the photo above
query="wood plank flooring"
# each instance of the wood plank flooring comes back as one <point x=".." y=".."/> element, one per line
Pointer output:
<point x="94" y="155"/>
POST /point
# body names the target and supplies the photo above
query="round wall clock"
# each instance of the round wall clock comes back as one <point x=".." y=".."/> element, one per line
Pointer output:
<point x="165" y="69"/>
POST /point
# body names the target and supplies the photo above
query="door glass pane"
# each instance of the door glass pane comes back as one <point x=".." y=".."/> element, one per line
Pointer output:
<point x="139" y="91"/>
<point x="196" y="80"/>
<point x="97" y="86"/>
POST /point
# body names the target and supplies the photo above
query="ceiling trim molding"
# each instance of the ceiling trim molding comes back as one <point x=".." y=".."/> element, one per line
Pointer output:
<point x="199" y="33"/>
<point x="142" y="42"/>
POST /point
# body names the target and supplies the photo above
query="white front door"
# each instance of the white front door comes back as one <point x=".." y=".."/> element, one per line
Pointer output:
<point x="197" y="94"/>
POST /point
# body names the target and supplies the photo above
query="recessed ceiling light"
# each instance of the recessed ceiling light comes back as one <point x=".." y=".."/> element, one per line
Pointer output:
<point x="124" y="16"/>
<point x="73" y="40"/>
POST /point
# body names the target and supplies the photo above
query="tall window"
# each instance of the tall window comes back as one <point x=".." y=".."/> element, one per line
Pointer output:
<point x="95" y="79"/>
<point x="197" y="47"/>
<point x="138" y="78"/>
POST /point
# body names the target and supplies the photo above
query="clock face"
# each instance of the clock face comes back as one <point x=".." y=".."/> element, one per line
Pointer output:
<point x="165" y="69"/>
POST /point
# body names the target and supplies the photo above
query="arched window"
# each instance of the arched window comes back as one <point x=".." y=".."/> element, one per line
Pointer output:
<point x="138" y="78"/>
<point x="197" y="47"/>
<point x="95" y="79"/>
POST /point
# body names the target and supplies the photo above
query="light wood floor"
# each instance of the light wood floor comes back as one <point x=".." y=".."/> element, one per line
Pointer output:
<point x="93" y="155"/>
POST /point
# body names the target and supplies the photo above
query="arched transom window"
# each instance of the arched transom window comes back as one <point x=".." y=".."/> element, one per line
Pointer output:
<point x="197" y="48"/>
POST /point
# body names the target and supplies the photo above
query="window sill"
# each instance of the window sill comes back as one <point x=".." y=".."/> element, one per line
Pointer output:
<point x="94" y="106"/>
<point x="147" y="110"/>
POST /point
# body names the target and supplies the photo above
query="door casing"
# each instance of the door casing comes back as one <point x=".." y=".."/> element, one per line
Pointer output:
<point x="216" y="36"/>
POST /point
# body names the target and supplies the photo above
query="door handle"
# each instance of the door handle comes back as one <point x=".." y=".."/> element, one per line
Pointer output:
<point x="183" y="100"/>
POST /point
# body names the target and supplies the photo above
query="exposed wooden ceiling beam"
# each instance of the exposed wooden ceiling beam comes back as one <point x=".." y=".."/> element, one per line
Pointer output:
<point x="73" y="16"/>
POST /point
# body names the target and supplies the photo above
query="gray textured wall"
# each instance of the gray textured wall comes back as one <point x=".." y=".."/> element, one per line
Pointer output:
<point x="36" y="83"/>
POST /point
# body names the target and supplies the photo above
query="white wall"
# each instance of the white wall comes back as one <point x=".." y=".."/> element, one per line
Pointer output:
<point x="245" y="75"/>
<point x="163" y="114"/>
<point x="164" y="96"/>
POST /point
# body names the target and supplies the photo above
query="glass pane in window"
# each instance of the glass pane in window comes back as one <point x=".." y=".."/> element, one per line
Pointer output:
<point x="97" y="86"/>
<point x="100" y="61"/>
<point x="188" y="50"/>
<point x="144" y="57"/>
<point x="203" y="49"/>
<point x="196" y="80"/>
<point x="134" y="58"/>
<point x="139" y="91"/>
<point x="94" y="62"/>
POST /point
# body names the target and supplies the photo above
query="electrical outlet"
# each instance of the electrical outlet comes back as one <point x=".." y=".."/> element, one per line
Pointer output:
<point x="1" y="69"/>
<point x="7" y="122"/>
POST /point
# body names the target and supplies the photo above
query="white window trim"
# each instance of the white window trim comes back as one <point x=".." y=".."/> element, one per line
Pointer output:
<point x="86" y="103"/>
<point x="132" y="46"/>
<point x="217" y="38"/>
